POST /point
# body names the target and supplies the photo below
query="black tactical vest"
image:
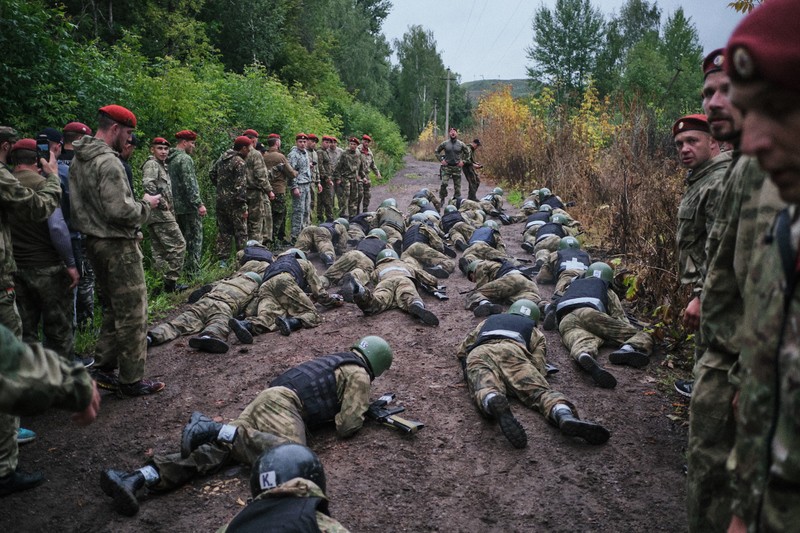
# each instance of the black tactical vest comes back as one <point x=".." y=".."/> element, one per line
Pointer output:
<point x="371" y="247"/>
<point x="551" y="228"/>
<point x="572" y="259"/>
<point x="315" y="384"/>
<point x="278" y="515"/>
<point x="331" y="227"/>
<point x="289" y="264"/>
<point x="539" y="216"/>
<point x="451" y="219"/>
<point x="506" y="268"/>
<point x="553" y="202"/>
<point x="414" y="235"/>
<point x="507" y="327"/>
<point x="392" y="217"/>
<point x="361" y="220"/>
<point x="483" y="234"/>
<point x="256" y="253"/>
<point x="584" y="292"/>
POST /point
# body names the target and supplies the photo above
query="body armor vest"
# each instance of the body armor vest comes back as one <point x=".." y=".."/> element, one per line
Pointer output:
<point x="553" y="202"/>
<point x="451" y="219"/>
<point x="278" y="515"/>
<point x="507" y="327"/>
<point x="289" y="264"/>
<point x="414" y="235"/>
<point x="361" y="220"/>
<point x="583" y="292"/>
<point x="540" y="216"/>
<point x="506" y="268"/>
<point x="331" y="227"/>
<point x="572" y="259"/>
<point x="371" y="247"/>
<point x="256" y="253"/>
<point x="392" y="217"/>
<point x="483" y="235"/>
<point x="551" y="228"/>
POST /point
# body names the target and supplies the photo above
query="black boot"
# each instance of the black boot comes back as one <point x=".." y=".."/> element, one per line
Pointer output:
<point x="200" y="430"/>
<point x="346" y="287"/>
<point x="18" y="481"/>
<point x="243" y="329"/>
<point x="169" y="285"/>
<point x="461" y="245"/>
<point x="628" y="355"/>
<point x="437" y="272"/>
<point x="207" y="343"/>
<point x="427" y="318"/>
<point x="199" y="293"/>
<point x="600" y="375"/>
<point x="327" y="260"/>
<point x="511" y="428"/>
<point x="487" y="308"/>
<point x="528" y="247"/>
<point x="571" y="426"/>
<point x="122" y="486"/>
<point x="361" y="295"/>
<point x="449" y="252"/>
<point x="550" y="318"/>
<point x="463" y="263"/>
<point x="286" y="325"/>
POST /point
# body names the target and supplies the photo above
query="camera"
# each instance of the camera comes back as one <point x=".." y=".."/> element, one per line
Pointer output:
<point x="42" y="148"/>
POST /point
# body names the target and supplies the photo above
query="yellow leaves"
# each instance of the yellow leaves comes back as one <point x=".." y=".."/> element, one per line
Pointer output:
<point x="427" y="134"/>
<point x="744" y="6"/>
<point x="592" y="125"/>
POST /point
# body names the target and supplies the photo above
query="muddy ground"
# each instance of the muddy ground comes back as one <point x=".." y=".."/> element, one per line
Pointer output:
<point x="457" y="474"/>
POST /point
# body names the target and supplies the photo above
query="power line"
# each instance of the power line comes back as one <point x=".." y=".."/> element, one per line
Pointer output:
<point x="469" y="17"/>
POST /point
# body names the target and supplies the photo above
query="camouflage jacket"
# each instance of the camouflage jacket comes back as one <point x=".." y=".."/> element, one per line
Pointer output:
<point x="280" y="171"/>
<point x="336" y="153"/>
<point x="101" y="201"/>
<point x="394" y="268"/>
<point x="367" y="162"/>
<point x="186" y="192"/>
<point x="766" y="453"/>
<point x="229" y="174"/>
<point x="696" y="214"/>
<point x="536" y="350"/>
<point x="349" y="166"/>
<point x="33" y="379"/>
<point x="155" y="180"/>
<point x="325" y="164"/>
<point x="236" y="292"/>
<point x="257" y="177"/>
<point x="301" y="163"/>
<point x="25" y="204"/>
<point x="454" y="151"/>
<point x="313" y="161"/>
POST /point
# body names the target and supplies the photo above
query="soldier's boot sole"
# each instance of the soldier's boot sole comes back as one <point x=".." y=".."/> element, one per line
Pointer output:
<point x="487" y="310"/>
<point x="510" y="426"/>
<point x="427" y="317"/>
<point x="600" y="375"/>
<point x="549" y="323"/>
<point x="208" y="344"/>
<point x="125" y="501"/>
<point x="591" y="432"/>
<point x="241" y="332"/>
<point x="528" y="247"/>
<point x="437" y="272"/>
<point x="346" y="287"/>
<point x="634" y="359"/>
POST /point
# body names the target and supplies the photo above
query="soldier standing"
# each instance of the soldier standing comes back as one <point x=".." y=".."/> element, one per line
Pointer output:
<point x="259" y="194"/>
<point x="455" y="152"/>
<point x="281" y="176"/>
<point x="470" y="170"/>
<point x="301" y="192"/>
<point x="229" y="175"/>
<point x="325" y="198"/>
<point x="189" y="208"/>
<point x="316" y="184"/>
<point x="347" y="171"/>
<point x="338" y="185"/>
<point x="368" y="166"/>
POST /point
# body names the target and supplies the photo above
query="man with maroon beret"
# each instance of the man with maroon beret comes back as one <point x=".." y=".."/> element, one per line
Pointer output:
<point x="259" y="194"/>
<point x="189" y="207"/>
<point x="105" y="211"/>
<point x="281" y="177"/>
<point x="347" y="171"/>
<point x="229" y="175"/>
<point x="300" y="161"/>
<point x="368" y="166"/>
<point x="763" y="64"/>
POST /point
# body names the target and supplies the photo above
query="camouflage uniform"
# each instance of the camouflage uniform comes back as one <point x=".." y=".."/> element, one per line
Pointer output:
<point x="230" y="176"/>
<point x="281" y="174"/>
<point x="166" y="239"/>
<point x="473" y="180"/>
<point x="320" y="239"/>
<point x="300" y="161"/>
<point x="311" y="204"/>
<point x="103" y="209"/>
<point x="428" y="251"/>
<point x="454" y="153"/>
<point x="747" y="207"/>
<point x="472" y="212"/>
<point x="275" y="416"/>
<point x="186" y="198"/>
<point x="368" y="164"/>
<point x="481" y="249"/>
<point x="210" y="314"/>
<point x="500" y="283"/>
<point x="259" y="211"/>
<point x="561" y="271"/>
<point x="348" y="169"/>
<point x="338" y="186"/>
<point x="390" y="220"/>
<point x="291" y="490"/>
<point x="395" y="287"/>
<point x="325" y="198"/>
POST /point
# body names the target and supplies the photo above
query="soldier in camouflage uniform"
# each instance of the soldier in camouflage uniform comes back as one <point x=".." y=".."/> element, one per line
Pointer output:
<point x="390" y="220"/>
<point x="496" y="283"/>
<point x="300" y="161"/>
<point x="189" y="208"/>
<point x="485" y="244"/>
<point x="564" y="265"/>
<point x="279" y="414"/>
<point x="103" y="209"/>
<point x="455" y="152"/>
<point x="166" y="239"/>
<point x="281" y="177"/>
<point x="329" y="239"/>
<point x="338" y="185"/>
<point x="363" y="258"/>
<point x="259" y="194"/>
<point x="325" y="197"/>
<point x="506" y="354"/>
<point x="229" y="174"/>
<point x="470" y="170"/>
<point x="348" y="170"/>
<point x="424" y="249"/>
<point x="368" y="165"/>
<point x="316" y="183"/>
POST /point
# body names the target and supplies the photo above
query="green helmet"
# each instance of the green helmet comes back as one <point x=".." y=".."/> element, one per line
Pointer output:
<point x="433" y="216"/>
<point x="418" y="218"/>
<point x="425" y="191"/>
<point x="255" y="276"/>
<point x="569" y="242"/>
<point x="378" y="232"/>
<point x="383" y="254"/>
<point x="252" y="243"/>
<point x="530" y="204"/>
<point x="544" y="192"/>
<point x="422" y="202"/>
<point x="600" y="270"/>
<point x="545" y="208"/>
<point x="377" y="352"/>
<point x="498" y="191"/>
<point x="491" y="224"/>
<point x="559" y="219"/>
<point x="283" y="463"/>
<point x="525" y="308"/>
<point x="389" y="202"/>
<point x="473" y="266"/>
<point x="450" y="209"/>
<point x="296" y="252"/>
<point x="535" y="192"/>
<point x="343" y="222"/>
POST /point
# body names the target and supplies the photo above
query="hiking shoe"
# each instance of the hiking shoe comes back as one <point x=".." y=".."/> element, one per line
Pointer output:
<point x="684" y="387"/>
<point x="427" y="318"/>
<point x="511" y="428"/>
<point x="25" y="436"/>
<point x="487" y="308"/>
<point x="207" y="343"/>
<point x="437" y="272"/>
<point x="143" y="387"/>
<point x="600" y="375"/>
<point x="122" y="487"/>
<point x="106" y="379"/>
<point x="18" y="481"/>
<point x="627" y="355"/>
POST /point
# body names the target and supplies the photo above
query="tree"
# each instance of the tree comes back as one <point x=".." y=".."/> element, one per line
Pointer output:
<point x="565" y="44"/>
<point x="744" y="6"/>
<point x="680" y="46"/>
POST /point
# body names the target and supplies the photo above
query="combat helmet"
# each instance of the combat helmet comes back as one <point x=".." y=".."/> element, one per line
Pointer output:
<point x="283" y="463"/>
<point x="418" y="218"/>
<point x="559" y="219"/>
<point x="546" y="208"/>
<point x="255" y="276"/>
<point x="376" y="351"/>
<point x="569" y="242"/>
<point x="600" y="270"/>
<point x="544" y="193"/>
<point x="491" y="224"/>
<point x="498" y="191"/>
<point x="343" y="221"/>
<point x="389" y="202"/>
<point x="383" y="254"/>
<point x="378" y="232"/>
<point x="296" y="252"/>
<point x="525" y="308"/>
<point x="450" y="209"/>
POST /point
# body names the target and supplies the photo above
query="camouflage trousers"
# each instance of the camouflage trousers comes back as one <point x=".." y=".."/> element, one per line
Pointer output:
<point x="355" y="233"/>
<point x="266" y="219"/>
<point x="281" y="296"/>
<point x="585" y="330"/>
<point x="9" y="317"/>
<point x="446" y="174"/>
<point x="255" y="215"/>
<point x="44" y="299"/>
<point x="483" y="251"/>
<point x="364" y="195"/>
<point x="191" y="226"/>
<point x="546" y="246"/>
<point x="279" y="218"/>
<point x="311" y="204"/>
<point x="505" y="368"/>
<point x="341" y="198"/>
<point x="315" y="239"/>
<point x="168" y="247"/>
<point x="461" y="232"/>
<point x="564" y="279"/>
<point x="473" y="182"/>
<point x="273" y="418"/>
<point x="83" y="294"/>
<point x="505" y="290"/>
<point x="350" y="194"/>
<point x="392" y="293"/>
<point x="325" y="202"/>
<point x="231" y="229"/>
<point x="207" y="316"/>
<point x="392" y="234"/>
<point x="122" y="342"/>
<point x="348" y="262"/>
<point x="299" y="206"/>
<point x="421" y="255"/>
<point x="712" y="431"/>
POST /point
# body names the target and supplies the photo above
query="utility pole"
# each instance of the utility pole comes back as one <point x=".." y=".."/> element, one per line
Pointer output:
<point x="447" y="106"/>
<point x="435" y="124"/>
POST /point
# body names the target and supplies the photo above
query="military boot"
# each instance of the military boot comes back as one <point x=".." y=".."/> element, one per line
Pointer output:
<point x="202" y="430"/>
<point x="486" y="308"/>
<point x="499" y="409"/>
<point x="208" y="343"/>
<point x="417" y="310"/>
<point x="361" y="295"/>
<point x="122" y="486"/>
<point x="346" y="287"/>
<point x="600" y="375"/>
<point x="463" y="263"/>
<point x="243" y="329"/>
<point x="327" y="259"/>
<point x="288" y="324"/>
<point x="437" y="272"/>
<point x="628" y="355"/>
<point x="527" y="246"/>
<point x="170" y="285"/>
<point x="18" y="481"/>
<point x="570" y="425"/>
<point x="461" y="245"/>
<point x="550" y="319"/>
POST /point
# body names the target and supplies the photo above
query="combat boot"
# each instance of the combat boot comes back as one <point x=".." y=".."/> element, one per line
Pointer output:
<point x="361" y="295"/>
<point x="528" y="247"/>
<point x="18" y="481"/>
<point x="499" y="409"/>
<point x="417" y="310"/>
<point x="437" y="272"/>
<point x="327" y="260"/>
<point x="570" y="425"/>
<point x="169" y="285"/>
<point x="202" y="430"/>
<point x="122" y="487"/>
<point x="550" y="319"/>
<point x="449" y="252"/>
<point x="243" y="329"/>
<point x="461" y="245"/>
<point x="207" y="343"/>
<point x="463" y="263"/>
<point x="486" y="308"/>
<point x="600" y="375"/>
<point x="286" y="325"/>
<point x="346" y="287"/>
<point x="628" y="355"/>
<point x="143" y="387"/>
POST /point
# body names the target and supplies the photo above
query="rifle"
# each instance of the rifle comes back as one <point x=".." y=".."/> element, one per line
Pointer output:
<point x="380" y="412"/>
<point x="440" y="291"/>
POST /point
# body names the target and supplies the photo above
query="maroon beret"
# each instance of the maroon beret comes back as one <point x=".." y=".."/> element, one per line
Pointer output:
<point x="24" y="144"/>
<point x="77" y="127"/>
<point x="334" y="139"/>
<point x="161" y="141"/>
<point x="301" y="135"/>
<point x="240" y="141"/>
<point x="765" y="46"/>
<point x="313" y="137"/>
<point x="273" y="136"/>
<point x="691" y="123"/>
<point x="186" y="135"/>
<point x="366" y="137"/>
<point x="353" y="140"/>
<point x="117" y="113"/>
<point x="327" y="138"/>
<point x="713" y="62"/>
<point x="250" y="133"/>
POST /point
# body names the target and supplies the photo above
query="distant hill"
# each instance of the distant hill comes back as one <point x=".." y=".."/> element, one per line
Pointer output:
<point x="475" y="89"/>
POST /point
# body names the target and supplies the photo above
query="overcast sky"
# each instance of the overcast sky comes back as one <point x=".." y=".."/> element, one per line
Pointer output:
<point x="486" y="39"/>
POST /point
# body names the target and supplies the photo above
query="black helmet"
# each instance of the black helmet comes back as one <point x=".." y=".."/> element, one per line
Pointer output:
<point x="283" y="463"/>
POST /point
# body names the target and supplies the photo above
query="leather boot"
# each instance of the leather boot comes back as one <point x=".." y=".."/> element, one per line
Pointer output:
<point x="207" y="343"/>
<point x="511" y="428"/>
<point x="437" y="272"/>
<point x="169" y="285"/>
<point x="428" y="318"/>
<point x="463" y="263"/>
<point x="600" y="375"/>
<point x="572" y="426"/>
<point x="17" y="481"/>
<point x="461" y="245"/>
<point x="486" y="308"/>
<point x="346" y="287"/>
<point x="327" y="260"/>
<point x="361" y="295"/>
<point x="528" y="247"/>
<point x="122" y="486"/>
<point x="200" y="430"/>
<point x="243" y="329"/>
<point x="628" y="355"/>
<point x="286" y="325"/>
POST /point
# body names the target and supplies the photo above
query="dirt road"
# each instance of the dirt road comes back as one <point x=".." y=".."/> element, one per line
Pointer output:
<point x="457" y="474"/>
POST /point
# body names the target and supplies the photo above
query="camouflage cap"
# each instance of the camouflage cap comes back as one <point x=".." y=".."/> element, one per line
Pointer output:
<point x="9" y="134"/>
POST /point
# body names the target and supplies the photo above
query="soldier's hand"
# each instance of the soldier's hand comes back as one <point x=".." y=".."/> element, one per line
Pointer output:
<point x="74" y="277"/>
<point x="88" y="415"/>
<point x="737" y="525"/>
<point x="444" y="162"/>
<point x="202" y="211"/>
<point x="460" y="163"/>
<point x="296" y="192"/>
<point x="245" y="215"/>
<point x="319" y="187"/>
<point x="152" y="199"/>
<point x="691" y="315"/>
<point x="49" y="167"/>
<point x="271" y="195"/>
